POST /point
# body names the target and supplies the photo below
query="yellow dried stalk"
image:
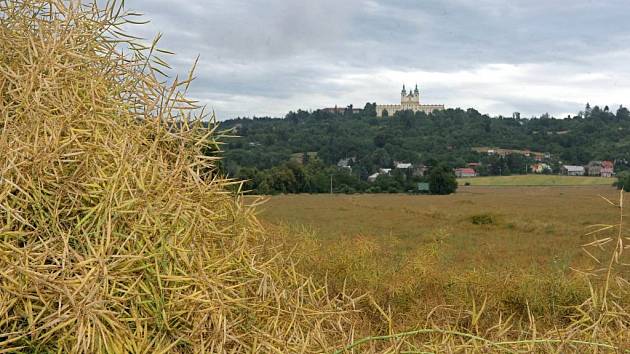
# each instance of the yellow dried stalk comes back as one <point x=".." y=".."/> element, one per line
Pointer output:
<point x="117" y="234"/>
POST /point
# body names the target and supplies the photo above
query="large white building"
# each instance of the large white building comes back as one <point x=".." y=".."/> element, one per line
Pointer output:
<point x="408" y="102"/>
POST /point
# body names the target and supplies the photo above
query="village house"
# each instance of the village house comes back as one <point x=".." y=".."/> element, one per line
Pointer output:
<point x="465" y="172"/>
<point x="419" y="170"/>
<point x="540" y="168"/>
<point x="372" y="178"/>
<point x="571" y="170"/>
<point x="416" y="170"/>
<point x="402" y="165"/>
<point x="608" y="169"/>
<point x="600" y="168"/>
<point x="345" y="163"/>
<point x="381" y="171"/>
<point x="341" y="110"/>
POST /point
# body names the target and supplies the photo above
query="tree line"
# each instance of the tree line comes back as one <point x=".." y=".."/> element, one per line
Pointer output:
<point x="265" y="148"/>
<point x="314" y="176"/>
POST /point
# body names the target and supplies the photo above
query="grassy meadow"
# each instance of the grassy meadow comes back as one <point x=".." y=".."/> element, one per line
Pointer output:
<point x="512" y="249"/>
<point x="536" y="180"/>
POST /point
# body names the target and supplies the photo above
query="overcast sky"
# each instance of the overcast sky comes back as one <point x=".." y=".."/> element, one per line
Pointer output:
<point x="266" y="57"/>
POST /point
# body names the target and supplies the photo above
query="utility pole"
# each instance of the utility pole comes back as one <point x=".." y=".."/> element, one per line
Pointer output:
<point x="331" y="184"/>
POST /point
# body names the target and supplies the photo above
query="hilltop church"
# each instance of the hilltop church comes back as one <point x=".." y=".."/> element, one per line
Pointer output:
<point x="408" y="102"/>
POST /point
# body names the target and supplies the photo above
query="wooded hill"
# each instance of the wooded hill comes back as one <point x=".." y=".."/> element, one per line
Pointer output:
<point x="445" y="137"/>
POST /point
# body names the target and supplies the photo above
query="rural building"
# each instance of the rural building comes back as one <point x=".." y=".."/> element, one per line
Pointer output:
<point x="571" y="170"/>
<point x="381" y="171"/>
<point x="408" y="102"/>
<point x="600" y="168"/>
<point x="419" y="170"/>
<point x="402" y="165"/>
<point x="608" y="169"/>
<point x="465" y="172"/>
<point x="345" y="163"/>
<point x="341" y="110"/>
<point x="372" y="178"/>
<point x="540" y="168"/>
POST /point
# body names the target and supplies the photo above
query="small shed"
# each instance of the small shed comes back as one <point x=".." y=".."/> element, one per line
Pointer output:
<point x="571" y="170"/>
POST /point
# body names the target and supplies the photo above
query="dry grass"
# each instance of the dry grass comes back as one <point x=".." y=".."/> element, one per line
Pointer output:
<point x="116" y="233"/>
<point x="537" y="229"/>
<point x="536" y="180"/>
<point x="428" y="265"/>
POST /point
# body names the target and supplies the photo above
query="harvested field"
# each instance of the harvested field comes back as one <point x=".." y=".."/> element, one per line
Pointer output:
<point x="539" y="228"/>
<point x="536" y="180"/>
<point x="515" y="249"/>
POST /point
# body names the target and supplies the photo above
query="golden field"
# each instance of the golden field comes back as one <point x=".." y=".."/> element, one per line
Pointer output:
<point x="514" y="249"/>
<point x="540" y="228"/>
<point x="536" y="180"/>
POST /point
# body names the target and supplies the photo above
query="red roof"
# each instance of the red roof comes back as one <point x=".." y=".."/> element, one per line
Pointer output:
<point x="607" y="164"/>
<point x="465" y="170"/>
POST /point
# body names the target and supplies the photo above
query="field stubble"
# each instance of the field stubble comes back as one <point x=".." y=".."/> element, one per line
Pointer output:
<point x="479" y="227"/>
<point x="507" y="252"/>
<point x="536" y="180"/>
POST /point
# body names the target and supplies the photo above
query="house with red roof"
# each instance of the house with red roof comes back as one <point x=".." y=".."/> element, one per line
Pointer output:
<point x="465" y="172"/>
<point x="600" y="168"/>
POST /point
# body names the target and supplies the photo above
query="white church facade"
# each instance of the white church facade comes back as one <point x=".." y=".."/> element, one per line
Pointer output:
<point x="408" y="102"/>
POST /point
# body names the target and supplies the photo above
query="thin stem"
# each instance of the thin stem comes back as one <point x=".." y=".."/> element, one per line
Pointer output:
<point x="487" y="341"/>
<point x="618" y="249"/>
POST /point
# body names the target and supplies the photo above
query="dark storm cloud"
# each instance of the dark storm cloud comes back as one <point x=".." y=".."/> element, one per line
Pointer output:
<point x="266" y="57"/>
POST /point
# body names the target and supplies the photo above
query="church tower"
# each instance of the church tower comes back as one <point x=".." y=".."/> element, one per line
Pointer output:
<point x="409" y="101"/>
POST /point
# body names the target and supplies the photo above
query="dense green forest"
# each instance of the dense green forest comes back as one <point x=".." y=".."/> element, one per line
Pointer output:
<point x="300" y="152"/>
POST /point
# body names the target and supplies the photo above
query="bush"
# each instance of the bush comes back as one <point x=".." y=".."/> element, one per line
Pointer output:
<point x="442" y="180"/>
<point x="623" y="181"/>
<point x="483" y="219"/>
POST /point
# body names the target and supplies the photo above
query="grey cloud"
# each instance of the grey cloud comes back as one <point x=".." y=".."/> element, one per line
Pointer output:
<point x="286" y="50"/>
